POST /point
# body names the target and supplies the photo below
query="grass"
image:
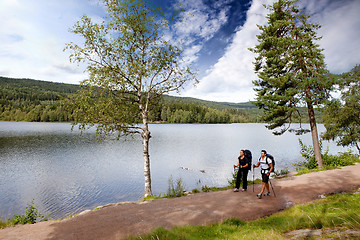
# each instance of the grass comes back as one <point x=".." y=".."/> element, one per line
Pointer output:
<point x="337" y="211"/>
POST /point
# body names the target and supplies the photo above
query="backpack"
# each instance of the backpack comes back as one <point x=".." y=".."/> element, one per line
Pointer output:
<point x="271" y="157"/>
<point x="249" y="157"/>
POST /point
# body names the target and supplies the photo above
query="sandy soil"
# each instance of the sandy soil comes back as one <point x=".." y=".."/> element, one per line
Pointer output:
<point x="132" y="219"/>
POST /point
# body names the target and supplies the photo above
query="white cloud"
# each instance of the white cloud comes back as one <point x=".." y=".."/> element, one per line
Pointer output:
<point x="340" y="30"/>
<point x="230" y="79"/>
<point x="34" y="37"/>
<point x="200" y="23"/>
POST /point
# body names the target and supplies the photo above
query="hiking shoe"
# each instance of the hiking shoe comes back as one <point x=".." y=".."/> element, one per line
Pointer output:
<point x="243" y="190"/>
<point x="259" y="195"/>
<point x="267" y="194"/>
<point x="236" y="190"/>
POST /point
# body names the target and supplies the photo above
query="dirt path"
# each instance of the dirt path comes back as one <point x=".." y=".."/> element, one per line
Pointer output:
<point x="123" y="220"/>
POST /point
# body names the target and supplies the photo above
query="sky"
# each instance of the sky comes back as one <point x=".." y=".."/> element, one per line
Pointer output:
<point x="216" y="35"/>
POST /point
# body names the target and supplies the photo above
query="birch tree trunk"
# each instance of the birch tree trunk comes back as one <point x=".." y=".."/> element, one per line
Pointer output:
<point x="146" y="137"/>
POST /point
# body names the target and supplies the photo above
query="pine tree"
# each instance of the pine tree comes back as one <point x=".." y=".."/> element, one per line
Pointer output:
<point x="291" y="70"/>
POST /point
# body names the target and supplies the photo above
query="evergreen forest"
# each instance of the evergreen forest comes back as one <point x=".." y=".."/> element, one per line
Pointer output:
<point x="41" y="101"/>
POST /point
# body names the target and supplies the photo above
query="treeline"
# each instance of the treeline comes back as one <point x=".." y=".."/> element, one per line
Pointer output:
<point x="40" y="101"/>
<point x="33" y="101"/>
<point x="192" y="113"/>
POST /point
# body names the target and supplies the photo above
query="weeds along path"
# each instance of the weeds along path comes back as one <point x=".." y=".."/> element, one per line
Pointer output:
<point x="132" y="219"/>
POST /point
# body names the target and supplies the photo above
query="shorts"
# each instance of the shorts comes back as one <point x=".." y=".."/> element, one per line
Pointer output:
<point x="265" y="178"/>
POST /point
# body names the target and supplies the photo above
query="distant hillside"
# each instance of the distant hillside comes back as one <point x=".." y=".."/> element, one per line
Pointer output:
<point x="34" y="100"/>
<point x="216" y="105"/>
<point x="32" y="87"/>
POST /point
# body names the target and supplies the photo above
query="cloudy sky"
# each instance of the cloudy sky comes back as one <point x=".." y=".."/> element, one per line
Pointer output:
<point x="216" y="33"/>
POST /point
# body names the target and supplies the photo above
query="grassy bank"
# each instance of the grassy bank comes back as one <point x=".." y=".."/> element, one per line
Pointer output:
<point x="340" y="212"/>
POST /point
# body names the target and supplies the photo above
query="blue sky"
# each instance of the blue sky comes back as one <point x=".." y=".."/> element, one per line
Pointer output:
<point x="217" y="34"/>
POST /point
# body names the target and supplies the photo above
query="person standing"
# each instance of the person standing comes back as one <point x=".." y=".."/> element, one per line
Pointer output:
<point x="242" y="172"/>
<point x="266" y="167"/>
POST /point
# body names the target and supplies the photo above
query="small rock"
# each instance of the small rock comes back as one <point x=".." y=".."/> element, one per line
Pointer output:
<point x="303" y="233"/>
<point x="322" y="196"/>
<point x="84" y="212"/>
<point x="289" y="204"/>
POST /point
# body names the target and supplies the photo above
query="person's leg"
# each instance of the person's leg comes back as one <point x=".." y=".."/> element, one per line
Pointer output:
<point x="264" y="180"/>
<point x="238" y="179"/>
<point x="262" y="188"/>
<point x="245" y="174"/>
<point x="267" y="187"/>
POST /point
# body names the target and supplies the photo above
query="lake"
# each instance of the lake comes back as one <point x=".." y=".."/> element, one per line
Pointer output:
<point x="66" y="172"/>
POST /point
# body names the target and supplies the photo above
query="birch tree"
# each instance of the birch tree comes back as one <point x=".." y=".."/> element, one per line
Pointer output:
<point x="130" y="66"/>
<point x="291" y="70"/>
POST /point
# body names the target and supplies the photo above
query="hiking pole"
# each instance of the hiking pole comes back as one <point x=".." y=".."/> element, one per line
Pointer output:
<point x="272" y="188"/>
<point x="253" y="179"/>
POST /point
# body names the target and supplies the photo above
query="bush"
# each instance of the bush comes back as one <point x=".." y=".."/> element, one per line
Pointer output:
<point x="232" y="181"/>
<point x="205" y="188"/>
<point x="282" y="172"/>
<point x="195" y="190"/>
<point x="329" y="161"/>
<point x="343" y="159"/>
<point x="175" y="190"/>
<point x="30" y="217"/>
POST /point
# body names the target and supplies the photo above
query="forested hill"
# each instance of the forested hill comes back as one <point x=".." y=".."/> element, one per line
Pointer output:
<point x="34" y="100"/>
<point x="13" y="88"/>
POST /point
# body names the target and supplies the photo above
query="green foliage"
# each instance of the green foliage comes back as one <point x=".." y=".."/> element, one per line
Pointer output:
<point x="31" y="216"/>
<point x="282" y="172"/>
<point x="340" y="210"/>
<point x="205" y="188"/>
<point x="330" y="161"/>
<point x="290" y="67"/>
<point x="232" y="180"/>
<point x="195" y="190"/>
<point x="341" y="117"/>
<point x="176" y="189"/>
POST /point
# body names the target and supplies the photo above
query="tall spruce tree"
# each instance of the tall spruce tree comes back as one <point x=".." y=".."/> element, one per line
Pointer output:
<point x="291" y="70"/>
<point x="130" y="66"/>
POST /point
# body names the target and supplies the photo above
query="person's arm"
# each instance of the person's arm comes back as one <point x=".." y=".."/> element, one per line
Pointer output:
<point x="257" y="165"/>
<point x="271" y="168"/>
<point x="247" y="163"/>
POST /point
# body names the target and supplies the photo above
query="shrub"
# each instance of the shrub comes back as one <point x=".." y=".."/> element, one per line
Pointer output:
<point x="195" y="190"/>
<point x="175" y="190"/>
<point x="205" y="188"/>
<point x="282" y="172"/>
<point x="232" y="181"/>
<point x="30" y="217"/>
<point x="329" y="161"/>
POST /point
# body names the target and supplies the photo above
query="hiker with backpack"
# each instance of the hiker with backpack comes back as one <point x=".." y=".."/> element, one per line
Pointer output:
<point x="266" y="164"/>
<point x="242" y="173"/>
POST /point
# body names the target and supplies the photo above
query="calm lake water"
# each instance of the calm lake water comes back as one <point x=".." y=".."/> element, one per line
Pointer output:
<point x="66" y="173"/>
